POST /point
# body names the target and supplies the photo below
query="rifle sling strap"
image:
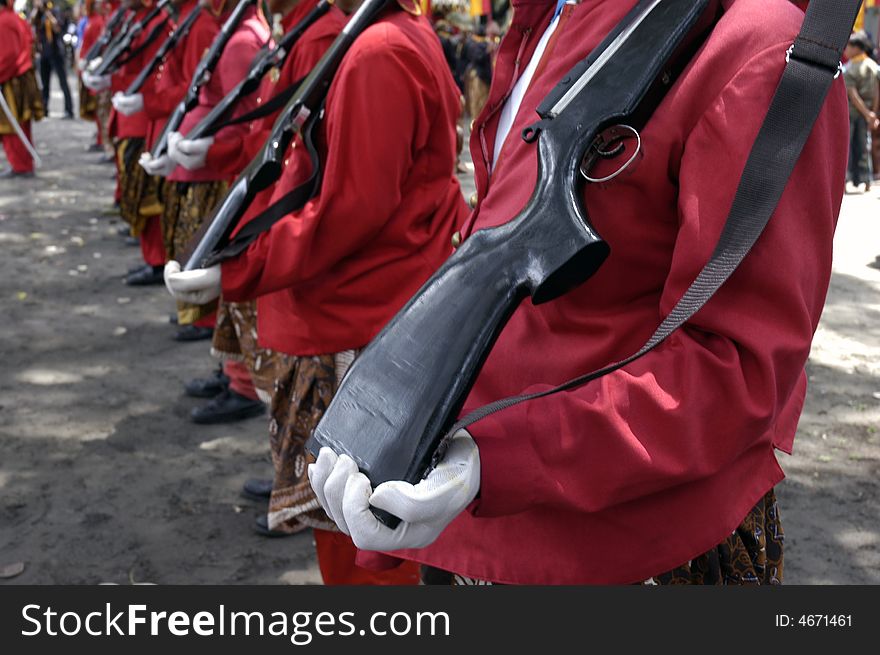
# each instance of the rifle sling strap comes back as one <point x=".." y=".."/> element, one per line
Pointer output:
<point x="813" y="64"/>
<point x="277" y="103"/>
<point x="288" y="203"/>
<point x="154" y="34"/>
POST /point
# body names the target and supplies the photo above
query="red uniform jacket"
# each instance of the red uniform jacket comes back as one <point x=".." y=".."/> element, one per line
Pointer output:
<point x="16" y="43"/>
<point x="134" y="126"/>
<point x="381" y="224"/>
<point x="232" y="151"/>
<point x="252" y="34"/>
<point x="92" y="33"/>
<point x="639" y="471"/>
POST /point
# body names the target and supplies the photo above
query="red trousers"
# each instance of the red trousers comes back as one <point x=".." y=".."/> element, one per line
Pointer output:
<point x="18" y="156"/>
<point x="152" y="247"/>
<point x="336" y="559"/>
<point x="240" y="380"/>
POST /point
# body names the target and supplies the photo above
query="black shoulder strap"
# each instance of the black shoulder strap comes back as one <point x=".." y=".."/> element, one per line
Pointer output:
<point x="278" y="102"/>
<point x="813" y="64"/>
<point x="288" y="203"/>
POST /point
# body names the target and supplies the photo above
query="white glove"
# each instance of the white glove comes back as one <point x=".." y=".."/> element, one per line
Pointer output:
<point x="425" y="509"/>
<point x="162" y="166"/>
<point x="96" y="82"/>
<point x="191" y="154"/>
<point x="198" y="287"/>
<point x="128" y="105"/>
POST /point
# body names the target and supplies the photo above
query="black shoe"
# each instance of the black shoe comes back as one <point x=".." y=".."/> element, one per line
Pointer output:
<point x="96" y="147"/>
<point x="107" y="159"/>
<point x="69" y="117"/>
<point x="145" y="276"/>
<point x="257" y="489"/>
<point x="227" y="407"/>
<point x="9" y="174"/>
<point x="193" y="333"/>
<point x="207" y="387"/>
<point x="133" y="241"/>
<point x="138" y="269"/>
<point x="172" y="318"/>
<point x="261" y="527"/>
<point x="123" y="231"/>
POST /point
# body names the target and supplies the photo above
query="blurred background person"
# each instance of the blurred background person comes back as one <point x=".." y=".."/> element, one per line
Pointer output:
<point x="49" y="28"/>
<point x="861" y="88"/>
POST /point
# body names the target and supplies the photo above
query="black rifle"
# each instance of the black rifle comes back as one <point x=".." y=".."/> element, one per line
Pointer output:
<point x="160" y="28"/>
<point x="403" y="393"/>
<point x="112" y="61"/>
<point x="262" y="64"/>
<point x="170" y="43"/>
<point x="114" y="41"/>
<point x="299" y="117"/>
<point x="107" y="35"/>
<point x="202" y="74"/>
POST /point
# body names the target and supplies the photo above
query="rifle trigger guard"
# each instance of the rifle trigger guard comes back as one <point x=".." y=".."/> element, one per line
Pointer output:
<point x="608" y="145"/>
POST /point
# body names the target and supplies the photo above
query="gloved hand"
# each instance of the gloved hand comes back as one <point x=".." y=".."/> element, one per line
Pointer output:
<point x="96" y="82"/>
<point x="161" y="166"/>
<point x="198" y="287"/>
<point x="128" y="105"/>
<point x="191" y="154"/>
<point x="425" y="509"/>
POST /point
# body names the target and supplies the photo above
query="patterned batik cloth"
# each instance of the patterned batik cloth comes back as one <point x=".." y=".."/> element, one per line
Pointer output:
<point x="300" y="399"/>
<point x="131" y="174"/>
<point x="23" y="96"/>
<point x="103" y="105"/>
<point x="141" y="193"/>
<point x="186" y="206"/>
<point x="88" y="103"/>
<point x="751" y="555"/>
<point x="235" y="338"/>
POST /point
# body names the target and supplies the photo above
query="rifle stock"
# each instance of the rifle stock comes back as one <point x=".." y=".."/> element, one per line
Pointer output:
<point x="400" y="397"/>
<point x="263" y="171"/>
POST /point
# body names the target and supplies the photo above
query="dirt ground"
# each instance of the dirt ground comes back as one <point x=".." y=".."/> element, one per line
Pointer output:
<point x="104" y="479"/>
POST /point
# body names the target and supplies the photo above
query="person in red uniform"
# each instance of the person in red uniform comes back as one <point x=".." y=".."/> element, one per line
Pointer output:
<point x="328" y="277"/>
<point x="235" y="333"/>
<point x="191" y="195"/>
<point x="129" y="128"/>
<point x="251" y="369"/>
<point x="152" y="105"/>
<point x="18" y="84"/>
<point x="662" y="471"/>
<point x="146" y="191"/>
<point x="88" y="100"/>
<point x="103" y="106"/>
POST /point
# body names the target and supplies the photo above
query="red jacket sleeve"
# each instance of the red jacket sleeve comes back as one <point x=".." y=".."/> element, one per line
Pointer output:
<point x="162" y="95"/>
<point x="10" y="46"/>
<point x="374" y="112"/>
<point x="719" y="385"/>
<point x="179" y="68"/>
